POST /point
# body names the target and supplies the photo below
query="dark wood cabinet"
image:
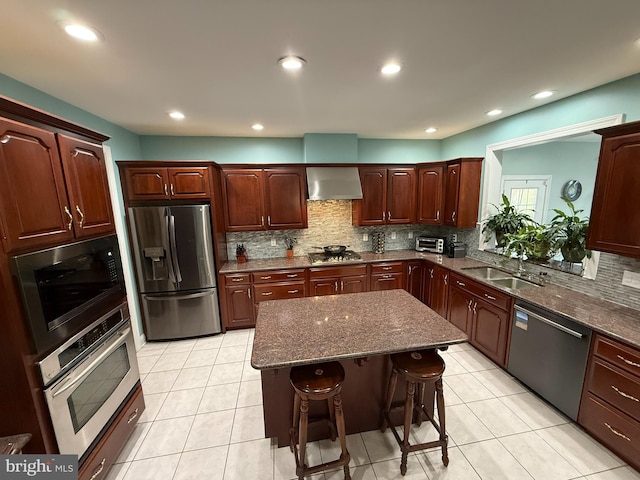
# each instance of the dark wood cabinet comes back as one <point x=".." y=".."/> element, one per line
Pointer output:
<point x="52" y="190"/>
<point x="430" y="190"/>
<point x="462" y="192"/>
<point x="609" y="409"/>
<point x="388" y="196"/>
<point x="87" y="186"/>
<point x="337" y="280"/>
<point x="481" y="312"/>
<point x="278" y="285"/>
<point x="387" y="276"/>
<point x="238" y="308"/>
<point x="415" y="270"/>
<point x="264" y="199"/>
<point x="438" y="289"/>
<point x="614" y="224"/>
<point x="167" y="183"/>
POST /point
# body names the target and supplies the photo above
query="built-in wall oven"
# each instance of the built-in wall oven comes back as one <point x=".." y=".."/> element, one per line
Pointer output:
<point x="88" y="379"/>
<point x="67" y="287"/>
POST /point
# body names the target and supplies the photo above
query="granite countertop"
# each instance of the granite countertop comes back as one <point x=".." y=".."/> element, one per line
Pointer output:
<point x="602" y="316"/>
<point x="335" y="327"/>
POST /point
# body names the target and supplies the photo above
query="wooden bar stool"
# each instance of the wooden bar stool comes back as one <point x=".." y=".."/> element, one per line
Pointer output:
<point x="422" y="367"/>
<point x="322" y="381"/>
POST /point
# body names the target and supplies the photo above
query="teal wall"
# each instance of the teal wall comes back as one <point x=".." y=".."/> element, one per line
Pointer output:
<point x="398" y="151"/>
<point x="564" y="161"/>
<point x="617" y="97"/>
<point x="125" y="145"/>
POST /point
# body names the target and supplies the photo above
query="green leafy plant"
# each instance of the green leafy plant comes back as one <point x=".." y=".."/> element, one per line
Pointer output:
<point x="507" y="221"/>
<point x="570" y="233"/>
<point x="289" y="242"/>
<point x="534" y="240"/>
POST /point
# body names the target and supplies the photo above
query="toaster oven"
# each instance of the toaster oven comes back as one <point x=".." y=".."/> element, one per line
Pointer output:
<point x="430" y="244"/>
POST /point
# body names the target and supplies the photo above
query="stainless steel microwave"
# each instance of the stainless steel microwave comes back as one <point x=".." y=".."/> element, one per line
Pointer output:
<point x="430" y="244"/>
<point x="65" y="288"/>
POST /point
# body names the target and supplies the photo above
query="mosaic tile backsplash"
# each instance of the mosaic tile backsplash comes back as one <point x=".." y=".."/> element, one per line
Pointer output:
<point x="330" y="223"/>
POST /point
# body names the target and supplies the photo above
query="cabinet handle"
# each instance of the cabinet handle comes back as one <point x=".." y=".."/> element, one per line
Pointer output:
<point x="248" y="292"/>
<point x="628" y="362"/>
<point x="437" y="214"/>
<point x="98" y="470"/>
<point x="269" y="220"/>
<point x="411" y="267"/>
<point x="166" y="190"/>
<point x="462" y="284"/>
<point x="490" y="297"/>
<point x="453" y="217"/>
<point x="266" y="294"/>
<point x="293" y="275"/>
<point x="336" y="285"/>
<point x="66" y="210"/>
<point x="475" y="306"/>
<point x="625" y="395"/>
<point x="446" y="279"/>
<point x="389" y="215"/>
<point x="341" y="285"/>
<point x="236" y="279"/>
<point x="384" y="216"/>
<point x="431" y="273"/>
<point x="262" y="220"/>
<point x="81" y="222"/>
<point x="266" y="278"/>
<point x="241" y="291"/>
<point x="172" y="192"/>
<point x="615" y="432"/>
<point x="387" y="276"/>
<point x="133" y="416"/>
<point x="292" y="291"/>
<point x="469" y="304"/>
<point x="387" y="268"/>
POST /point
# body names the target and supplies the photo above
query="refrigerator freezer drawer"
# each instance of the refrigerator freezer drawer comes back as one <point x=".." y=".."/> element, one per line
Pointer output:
<point x="181" y="315"/>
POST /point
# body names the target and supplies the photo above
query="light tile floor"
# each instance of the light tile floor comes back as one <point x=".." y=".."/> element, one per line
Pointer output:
<point x="203" y="420"/>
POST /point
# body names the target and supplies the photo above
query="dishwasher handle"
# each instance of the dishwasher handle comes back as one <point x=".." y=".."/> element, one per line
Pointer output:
<point x="549" y="322"/>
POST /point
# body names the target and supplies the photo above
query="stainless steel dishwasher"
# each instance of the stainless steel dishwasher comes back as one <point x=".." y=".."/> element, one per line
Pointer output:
<point x="549" y="354"/>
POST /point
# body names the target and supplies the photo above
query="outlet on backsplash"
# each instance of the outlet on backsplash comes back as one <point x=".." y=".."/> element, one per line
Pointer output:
<point x="393" y="235"/>
<point x="365" y="237"/>
<point x="273" y="242"/>
<point x="410" y="235"/>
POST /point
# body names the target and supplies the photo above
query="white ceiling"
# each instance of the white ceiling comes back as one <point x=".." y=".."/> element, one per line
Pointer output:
<point x="216" y="61"/>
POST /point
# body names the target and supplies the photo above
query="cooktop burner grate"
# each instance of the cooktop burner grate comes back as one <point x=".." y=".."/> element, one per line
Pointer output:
<point x="346" y="256"/>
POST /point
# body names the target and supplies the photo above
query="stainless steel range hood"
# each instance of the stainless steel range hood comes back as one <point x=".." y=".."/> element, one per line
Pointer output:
<point x="333" y="183"/>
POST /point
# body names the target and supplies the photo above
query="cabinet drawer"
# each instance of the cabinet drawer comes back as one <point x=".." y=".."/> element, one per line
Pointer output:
<point x="237" y="279"/>
<point x="620" y="355"/>
<point x="488" y="294"/>
<point x="277" y="276"/>
<point x="97" y="464"/>
<point x="616" y="387"/>
<point x="321" y="272"/>
<point x="387" y="267"/>
<point x="278" y="291"/>
<point x="612" y="428"/>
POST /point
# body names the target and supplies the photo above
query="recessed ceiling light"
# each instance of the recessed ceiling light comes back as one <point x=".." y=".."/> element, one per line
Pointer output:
<point x="176" y="115"/>
<point x="292" y="62"/>
<point x="82" y="32"/>
<point x="257" y="126"/>
<point x="543" y="94"/>
<point x="390" y="68"/>
<point x="431" y="130"/>
<point x="493" y="113"/>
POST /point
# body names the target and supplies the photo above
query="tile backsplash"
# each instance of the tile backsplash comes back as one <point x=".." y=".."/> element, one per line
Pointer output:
<point x="330" y="223"/>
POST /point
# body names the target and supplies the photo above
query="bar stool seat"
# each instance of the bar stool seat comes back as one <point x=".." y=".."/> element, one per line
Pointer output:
<point x="321" y="381"/>
<point x="423" y="367"/>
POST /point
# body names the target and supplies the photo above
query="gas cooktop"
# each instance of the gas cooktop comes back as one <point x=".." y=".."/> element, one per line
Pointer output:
<point x="346" y="256"/>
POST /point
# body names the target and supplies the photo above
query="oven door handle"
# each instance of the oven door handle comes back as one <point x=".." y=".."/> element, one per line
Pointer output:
<point x="72" y="380"/>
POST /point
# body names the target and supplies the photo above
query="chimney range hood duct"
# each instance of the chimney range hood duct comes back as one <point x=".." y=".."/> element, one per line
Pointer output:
<point x="333" y="183"/>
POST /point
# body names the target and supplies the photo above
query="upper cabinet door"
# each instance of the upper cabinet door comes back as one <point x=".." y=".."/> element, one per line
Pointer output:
<point x="372" y="209"/>
<point x="401" y="195"/>
<point x="188" y="182"/>
<point x="147" y="183"/>
<point x="87" y="186"/>
<point x="285" y="198"/>
<point x="33" y="201"/>
<point x="244" y="204"/>
<point x="452" y="186"/>
<point x="614" y="225"/>
<point x="430" y="186"/>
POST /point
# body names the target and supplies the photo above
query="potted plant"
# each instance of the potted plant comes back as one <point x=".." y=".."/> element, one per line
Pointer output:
<point x="533" y="240"/>
<point x="571" y="233"/>
<point x="507" y="221"/>
<point x="289" y="242"/>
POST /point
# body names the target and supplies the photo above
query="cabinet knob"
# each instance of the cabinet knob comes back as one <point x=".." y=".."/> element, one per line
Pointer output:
<point x="81" y="222"/>
<point x="66" y="210"/>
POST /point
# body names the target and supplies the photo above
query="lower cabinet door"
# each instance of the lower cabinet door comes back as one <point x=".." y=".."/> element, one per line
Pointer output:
<point x="324" y="286"/>
<point x="489" y="331"/>
<point x="389" y="281"/>
<point x="240" y="312"/>
<point x="459" y="314"/>
<point x="355" y="284"/>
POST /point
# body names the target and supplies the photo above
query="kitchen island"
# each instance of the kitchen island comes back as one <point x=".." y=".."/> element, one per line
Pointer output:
<point x="360" y="330"/>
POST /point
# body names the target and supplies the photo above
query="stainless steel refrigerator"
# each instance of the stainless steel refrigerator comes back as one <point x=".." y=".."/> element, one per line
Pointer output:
<point x="174" y="257"/>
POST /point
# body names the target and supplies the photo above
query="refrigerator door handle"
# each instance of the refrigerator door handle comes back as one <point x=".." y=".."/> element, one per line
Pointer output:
<point x="168" y="255"/>
<point x="188" y="296"/>
<point x="174" y="248"/>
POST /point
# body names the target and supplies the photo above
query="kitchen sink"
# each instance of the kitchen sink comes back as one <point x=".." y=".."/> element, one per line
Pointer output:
<point x="489" y="273"/>
<point x="512" y="282"/>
